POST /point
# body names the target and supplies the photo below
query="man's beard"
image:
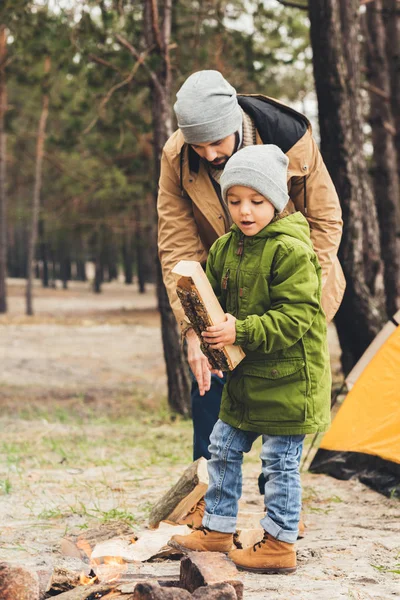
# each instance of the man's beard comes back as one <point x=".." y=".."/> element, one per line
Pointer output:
<point x="221" y="166"/>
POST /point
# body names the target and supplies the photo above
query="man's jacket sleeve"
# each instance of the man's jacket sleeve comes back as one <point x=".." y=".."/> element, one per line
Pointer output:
<point x="295" y="292"/>
<point x="178" y="237"/>
<point x="322" y="208"/>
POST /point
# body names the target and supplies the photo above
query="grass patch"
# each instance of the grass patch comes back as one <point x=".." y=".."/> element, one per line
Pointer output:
<point x="5" y="486"/>
<point x="395" y="569"/>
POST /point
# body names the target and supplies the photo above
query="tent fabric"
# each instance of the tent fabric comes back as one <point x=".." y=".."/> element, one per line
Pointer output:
<point x="364" y="439"/>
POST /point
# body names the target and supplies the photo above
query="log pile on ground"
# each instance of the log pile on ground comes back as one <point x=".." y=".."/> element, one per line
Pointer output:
<point x="205" y="575"/>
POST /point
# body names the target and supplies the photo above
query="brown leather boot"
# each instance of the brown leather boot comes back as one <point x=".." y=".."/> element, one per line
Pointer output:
<point x="267" y="556"/>
<point x="203" y="540"/>
<point x="194" y="518"/>
<point x="302" y="529"/>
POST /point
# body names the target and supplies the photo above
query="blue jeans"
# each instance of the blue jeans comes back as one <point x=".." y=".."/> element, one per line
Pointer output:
<point x="205" y="411"/>
<point x="280" y="458"/>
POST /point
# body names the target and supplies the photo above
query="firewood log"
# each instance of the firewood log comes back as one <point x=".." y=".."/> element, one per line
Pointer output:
<point x="183" y="496"/>
<point x="202" y="308"/>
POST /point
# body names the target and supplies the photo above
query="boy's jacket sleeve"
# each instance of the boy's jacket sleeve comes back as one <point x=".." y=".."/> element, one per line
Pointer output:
<point x="295" y="293"/>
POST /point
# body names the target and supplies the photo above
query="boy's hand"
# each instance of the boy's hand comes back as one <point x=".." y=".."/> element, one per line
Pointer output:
<point x="221" y="335"/>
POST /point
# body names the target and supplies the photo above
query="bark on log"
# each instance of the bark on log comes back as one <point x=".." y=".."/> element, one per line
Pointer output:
<point x="63" y="580"/>
<point x="153" y="591"/>
<point x="183" y="496"/>
<point x="207" y="568"/>
<point x="202" y="308"/>
<point x="17" y="583"/>
<point x="217" y="591"/>
<point x="89" y="592"/>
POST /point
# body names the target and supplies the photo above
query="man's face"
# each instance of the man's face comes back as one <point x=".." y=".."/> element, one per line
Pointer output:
<point x="216" y="153"/>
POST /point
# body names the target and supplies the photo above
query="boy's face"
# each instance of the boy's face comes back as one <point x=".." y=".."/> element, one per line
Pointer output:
<point x="216" y="153"/>
<point x="249" y="210"/>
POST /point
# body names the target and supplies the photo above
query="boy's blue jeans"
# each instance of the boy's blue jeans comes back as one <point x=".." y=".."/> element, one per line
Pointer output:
<point x="280" y="458"/>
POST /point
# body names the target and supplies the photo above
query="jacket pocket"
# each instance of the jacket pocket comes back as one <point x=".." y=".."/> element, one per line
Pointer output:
<point x="276" y="391"/>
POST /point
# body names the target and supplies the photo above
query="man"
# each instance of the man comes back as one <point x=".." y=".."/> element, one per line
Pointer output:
<point x="213" y="124"/>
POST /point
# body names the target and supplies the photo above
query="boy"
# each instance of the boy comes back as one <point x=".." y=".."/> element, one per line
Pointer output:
<point x="268" y="279"/>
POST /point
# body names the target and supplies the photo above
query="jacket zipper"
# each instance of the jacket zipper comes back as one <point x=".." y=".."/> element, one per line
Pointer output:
<point x="225" y="280"/>
<point x="239" y="252"/>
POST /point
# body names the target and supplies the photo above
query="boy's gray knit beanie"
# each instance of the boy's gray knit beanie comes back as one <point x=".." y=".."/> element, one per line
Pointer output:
<point x="207" y="109"/>
<point x="262" y="168"/>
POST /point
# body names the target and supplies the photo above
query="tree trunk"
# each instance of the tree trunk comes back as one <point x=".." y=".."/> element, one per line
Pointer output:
<point x="177" y="371"/>
<point x="140" y="260"/>
<point x="3" y="158"/>
<point x="391" y="21"/>
<point x="127" y="257"/>
<point x="99" y="261"/>
<point x="44" y="255"/>
<point x="384" y="167"/>
<point x="80" y="270"/>
<point x="334" y="39"/>
<point x="36" y="193"/>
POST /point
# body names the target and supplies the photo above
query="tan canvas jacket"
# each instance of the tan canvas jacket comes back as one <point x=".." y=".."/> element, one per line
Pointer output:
<point x="191" y="217"/>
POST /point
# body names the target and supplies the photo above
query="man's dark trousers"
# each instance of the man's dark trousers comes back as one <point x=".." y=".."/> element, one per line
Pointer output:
<point x="205" y="411"/>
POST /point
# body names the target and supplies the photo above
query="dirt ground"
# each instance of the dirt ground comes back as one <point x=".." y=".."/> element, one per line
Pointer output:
<point x="86" y="440"/>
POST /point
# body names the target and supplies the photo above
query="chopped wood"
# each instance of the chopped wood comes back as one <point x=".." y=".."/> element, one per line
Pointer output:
<point x="153" y="591"/>
<point x="206" y="568"/>
<point x="63" y="580"/>
<point x="151" y="543"/>
<point x="216" y="591"/>
<point x="90" y="592"/>
<point x="17" y="583"/>
<point x="202" y="308"/>
<point x="183" y="496"/>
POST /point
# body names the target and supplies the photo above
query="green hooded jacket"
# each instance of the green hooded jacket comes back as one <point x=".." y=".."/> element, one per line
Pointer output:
<point x="271" y="283"/>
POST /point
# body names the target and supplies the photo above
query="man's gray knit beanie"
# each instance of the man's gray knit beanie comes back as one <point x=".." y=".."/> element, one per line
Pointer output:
<point x="207" y="109"/>
<point x="262" y="168"/>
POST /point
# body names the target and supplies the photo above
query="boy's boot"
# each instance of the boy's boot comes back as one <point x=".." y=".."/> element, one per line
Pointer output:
<point x="267" y="556"/>
<point x="302" y="529"/>
<point x="194" y="518"/>
<point x="203" y="540"/>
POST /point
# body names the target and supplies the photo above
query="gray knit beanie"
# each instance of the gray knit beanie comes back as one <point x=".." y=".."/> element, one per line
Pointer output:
<point x="207" y="109"/>
<point x="262" y="168"/>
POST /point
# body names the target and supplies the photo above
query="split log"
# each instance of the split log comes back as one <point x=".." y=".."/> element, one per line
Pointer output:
<point x="217" y="591"/>
<point x="153" y="591"/>
<point x="17" y="583"/>
<point x="89" y="592"/>
<point x="202" y="308"/>
<point x="63" y="580"/>
<point x="150" y="544"/>
<point x="207" y="568"/>
<point x="183" y="496"/>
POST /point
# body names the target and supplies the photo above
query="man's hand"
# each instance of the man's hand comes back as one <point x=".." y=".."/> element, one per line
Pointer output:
<point x="221" y="335"/>
<point x="198" y="362"/>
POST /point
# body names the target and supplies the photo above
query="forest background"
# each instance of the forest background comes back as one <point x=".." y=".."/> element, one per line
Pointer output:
<point x="86" y="90"/>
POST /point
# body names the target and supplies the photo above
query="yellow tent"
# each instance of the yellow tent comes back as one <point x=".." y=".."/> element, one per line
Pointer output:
<point x="364" y="439"/>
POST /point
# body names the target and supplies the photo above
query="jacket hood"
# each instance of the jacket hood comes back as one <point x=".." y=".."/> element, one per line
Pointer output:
<point x="294" y="225"/>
